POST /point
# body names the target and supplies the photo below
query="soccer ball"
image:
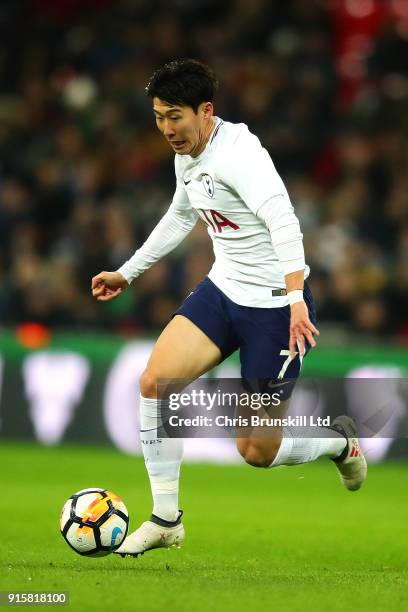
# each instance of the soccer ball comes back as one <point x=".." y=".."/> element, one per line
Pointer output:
<point x="94" y="522"/>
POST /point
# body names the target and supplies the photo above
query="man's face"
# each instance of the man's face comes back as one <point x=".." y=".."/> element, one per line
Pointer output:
<point x="184" y="129"/>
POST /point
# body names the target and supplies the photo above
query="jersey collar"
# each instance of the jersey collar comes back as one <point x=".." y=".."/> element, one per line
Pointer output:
<point x="218" y="123"/>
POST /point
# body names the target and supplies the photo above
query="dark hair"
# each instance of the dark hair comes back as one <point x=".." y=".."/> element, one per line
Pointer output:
<point x="185" y="82"/>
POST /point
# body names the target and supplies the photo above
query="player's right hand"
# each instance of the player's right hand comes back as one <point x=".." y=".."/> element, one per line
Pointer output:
<point x="108" y="285"/>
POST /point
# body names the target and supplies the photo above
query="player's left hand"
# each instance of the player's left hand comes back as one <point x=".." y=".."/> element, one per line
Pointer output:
<point x="301" y="329"/>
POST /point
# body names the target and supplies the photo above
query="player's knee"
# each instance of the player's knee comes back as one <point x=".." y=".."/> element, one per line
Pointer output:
<point x="252" y="454"/>
<point x="255" y="457"/>
<point x="148" y="384"/>
<point x="260" y="456"/>
<point x="242" y="445"/>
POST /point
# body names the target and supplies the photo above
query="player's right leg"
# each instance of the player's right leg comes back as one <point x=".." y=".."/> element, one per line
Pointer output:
<point x="182" y="351"/>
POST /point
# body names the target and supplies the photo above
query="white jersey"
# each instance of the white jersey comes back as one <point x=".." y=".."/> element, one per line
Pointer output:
<point x="235" y="189"/>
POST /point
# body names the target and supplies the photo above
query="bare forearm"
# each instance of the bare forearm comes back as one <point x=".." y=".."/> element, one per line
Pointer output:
<point x="294" y="280"/>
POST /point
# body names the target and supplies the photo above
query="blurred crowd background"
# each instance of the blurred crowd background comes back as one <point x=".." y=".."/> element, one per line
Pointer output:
<point x="85" y="175"/>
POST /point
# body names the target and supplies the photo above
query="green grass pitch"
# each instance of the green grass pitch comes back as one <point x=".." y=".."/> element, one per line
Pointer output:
<point x="284" y="539"/>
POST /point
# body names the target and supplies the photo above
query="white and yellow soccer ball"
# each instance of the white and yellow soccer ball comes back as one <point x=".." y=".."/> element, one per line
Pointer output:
<point x="94" y="522"/>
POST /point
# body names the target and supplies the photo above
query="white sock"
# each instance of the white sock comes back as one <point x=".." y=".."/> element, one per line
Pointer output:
<point x="298" y="445"/>
<point x="162" y="458"/>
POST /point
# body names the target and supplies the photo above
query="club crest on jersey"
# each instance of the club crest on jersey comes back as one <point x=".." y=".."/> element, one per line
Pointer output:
<point x="208" y="184"/>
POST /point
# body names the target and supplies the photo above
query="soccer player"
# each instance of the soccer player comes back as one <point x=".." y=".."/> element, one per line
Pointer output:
<point x="255" y="297"/>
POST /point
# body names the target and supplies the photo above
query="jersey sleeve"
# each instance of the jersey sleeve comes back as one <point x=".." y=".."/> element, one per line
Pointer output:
<point x="250" y="172"/>
<point x="174" y="226"/>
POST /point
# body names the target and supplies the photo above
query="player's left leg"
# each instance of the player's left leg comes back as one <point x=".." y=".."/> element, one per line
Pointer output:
<point x="263" y="358"/>
<point x="295" y="445"/>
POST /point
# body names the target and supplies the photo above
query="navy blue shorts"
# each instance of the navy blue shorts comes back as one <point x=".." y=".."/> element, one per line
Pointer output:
<point x="260" y="334"/>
